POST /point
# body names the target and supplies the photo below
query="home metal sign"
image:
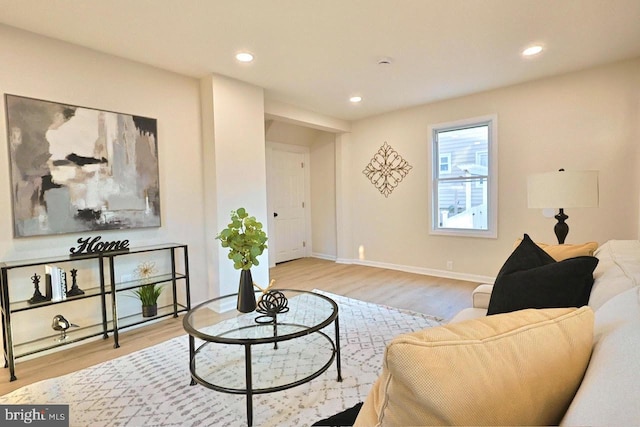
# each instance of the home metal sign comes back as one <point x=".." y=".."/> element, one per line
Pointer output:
<point x="89" y="246"/>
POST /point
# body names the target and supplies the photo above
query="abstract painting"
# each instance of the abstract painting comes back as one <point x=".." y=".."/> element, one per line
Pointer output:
<point x="78" y="169"/>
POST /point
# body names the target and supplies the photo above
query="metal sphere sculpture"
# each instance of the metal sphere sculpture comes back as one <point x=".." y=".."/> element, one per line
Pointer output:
<point x="271" y="304"/>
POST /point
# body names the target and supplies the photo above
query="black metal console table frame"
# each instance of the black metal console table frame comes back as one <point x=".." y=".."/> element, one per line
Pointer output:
<point x="104" y="287"/>
<point x="248" y="342"/>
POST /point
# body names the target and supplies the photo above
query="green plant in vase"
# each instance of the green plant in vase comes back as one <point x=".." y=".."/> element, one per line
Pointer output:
<point x="246" y="241"/>
<point x="147" y="294"/>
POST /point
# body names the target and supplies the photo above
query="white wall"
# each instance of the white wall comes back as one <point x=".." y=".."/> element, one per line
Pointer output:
<point x="582" y="120"/>
<point x="235" y="149"/>
<point x="42" y="68"/>
<point x="323" y="197"/>
<point x="287" y="133"/>
<point x="282" y="112"/>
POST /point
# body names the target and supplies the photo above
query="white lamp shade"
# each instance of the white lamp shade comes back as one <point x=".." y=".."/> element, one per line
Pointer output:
<point x="563" y="189"/>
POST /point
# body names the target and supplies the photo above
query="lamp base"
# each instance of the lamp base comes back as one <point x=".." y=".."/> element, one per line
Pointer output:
<point x="561" y="228"/>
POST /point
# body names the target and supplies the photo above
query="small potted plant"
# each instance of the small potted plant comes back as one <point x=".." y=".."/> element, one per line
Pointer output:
<point x="246" y="241"/>
<point x="147" y="294"/>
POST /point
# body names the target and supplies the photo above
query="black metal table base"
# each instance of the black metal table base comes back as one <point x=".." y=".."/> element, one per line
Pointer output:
<point x="249" y="391"/>
<point x="287" y="327"/>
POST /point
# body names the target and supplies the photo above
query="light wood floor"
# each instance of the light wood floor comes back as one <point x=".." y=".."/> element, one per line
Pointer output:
<point x="430" y="295"/>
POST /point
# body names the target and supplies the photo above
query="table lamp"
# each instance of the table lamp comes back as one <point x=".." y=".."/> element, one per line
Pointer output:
<point x="560" y="190"/>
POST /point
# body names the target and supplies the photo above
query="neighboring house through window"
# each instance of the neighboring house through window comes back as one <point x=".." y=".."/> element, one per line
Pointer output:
<point x="445" y="163"/>
<point x="482" y="159"/>
<point x="464" y="178"/>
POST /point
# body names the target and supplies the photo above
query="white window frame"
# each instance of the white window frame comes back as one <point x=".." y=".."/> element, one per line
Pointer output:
<point x="492" y="180"/>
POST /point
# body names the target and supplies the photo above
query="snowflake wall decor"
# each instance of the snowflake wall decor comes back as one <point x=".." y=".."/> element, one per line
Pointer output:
<point x="386" y="169"/>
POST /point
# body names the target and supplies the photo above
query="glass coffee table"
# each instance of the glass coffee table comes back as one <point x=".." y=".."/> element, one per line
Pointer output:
<point x="249" y="354"/>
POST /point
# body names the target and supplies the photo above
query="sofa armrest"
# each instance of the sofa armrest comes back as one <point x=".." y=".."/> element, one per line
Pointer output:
<point x="481" y="295"/>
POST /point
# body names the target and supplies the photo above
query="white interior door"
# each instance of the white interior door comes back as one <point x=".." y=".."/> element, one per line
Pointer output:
<point x="288" y="204"/>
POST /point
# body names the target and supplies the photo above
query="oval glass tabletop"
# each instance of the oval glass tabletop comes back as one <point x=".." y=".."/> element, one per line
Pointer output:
<point x="213" y="321"/>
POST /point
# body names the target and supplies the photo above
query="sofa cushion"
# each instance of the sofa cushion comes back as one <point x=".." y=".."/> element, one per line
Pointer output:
<point x="608" y="395"/>
<point x="344" y="418"/>
<point x="565" y="251"/>
<point x="481" y="295"/>
<point x="531" y="278"/>
<point x="526" y="255"/>
<point x="617" y="271"/>
<point x="510" y="369"/>
<point x="468" y="314"/>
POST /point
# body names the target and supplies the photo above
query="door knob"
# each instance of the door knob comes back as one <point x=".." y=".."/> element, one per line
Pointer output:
<point x="275" y="214"/>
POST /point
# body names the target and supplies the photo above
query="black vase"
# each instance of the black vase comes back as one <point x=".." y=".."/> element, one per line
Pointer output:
<point x="246" y="296"/>
<point x="149" y="310"/>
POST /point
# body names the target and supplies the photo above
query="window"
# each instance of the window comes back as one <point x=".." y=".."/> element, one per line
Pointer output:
<point x="464" y="178"/>
<point x="445" y="163"/>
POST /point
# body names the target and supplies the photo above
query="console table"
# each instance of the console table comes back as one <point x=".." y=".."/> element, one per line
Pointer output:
<point x="99" y="296"/>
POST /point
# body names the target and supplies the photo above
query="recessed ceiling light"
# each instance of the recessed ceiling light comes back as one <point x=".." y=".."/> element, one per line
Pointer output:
<point x="244" y="57"/>
<point x="532" y="50"/>
<point x="355" y="99"/>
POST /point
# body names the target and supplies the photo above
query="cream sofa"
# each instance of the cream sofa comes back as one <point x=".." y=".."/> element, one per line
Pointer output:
<point x="609" y="392"/>
<point x="569" y="366"/>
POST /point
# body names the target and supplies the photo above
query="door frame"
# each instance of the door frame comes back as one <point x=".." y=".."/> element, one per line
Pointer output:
<point x="278" y="146"/>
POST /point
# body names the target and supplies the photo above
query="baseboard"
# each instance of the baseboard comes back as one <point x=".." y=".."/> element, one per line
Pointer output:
<point x="421" y="270"/>
<point x="323" y="256"/>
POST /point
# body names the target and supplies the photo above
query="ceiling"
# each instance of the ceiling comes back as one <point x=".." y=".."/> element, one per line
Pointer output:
<point x="315" y="54"/>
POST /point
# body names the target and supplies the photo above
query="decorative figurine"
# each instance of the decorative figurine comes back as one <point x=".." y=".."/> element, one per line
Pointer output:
<point x="75" y="290"/>
<point x="145" y="270"/>
<point x="37" y="296"/>
<point x="271" y="304"/>
<point x="61" y="324"/>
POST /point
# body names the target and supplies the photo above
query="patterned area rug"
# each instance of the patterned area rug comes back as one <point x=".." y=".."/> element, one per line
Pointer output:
<point x="151" y="387"/>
